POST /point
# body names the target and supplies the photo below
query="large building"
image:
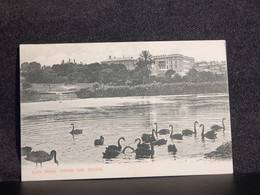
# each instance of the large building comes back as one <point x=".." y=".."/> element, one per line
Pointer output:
<point x="213" y="67"/>
<point x="177" y="62"/>
<point x="129" y="62"/>
<point x="180" y="63"/>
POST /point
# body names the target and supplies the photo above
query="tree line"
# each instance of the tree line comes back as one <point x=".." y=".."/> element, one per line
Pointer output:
<point x="113" y="74"/>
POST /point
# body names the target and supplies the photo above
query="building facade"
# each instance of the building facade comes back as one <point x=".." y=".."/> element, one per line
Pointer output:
<point x="180" y="63"/>
<point x="177" y="62"/>
<point x="129" y="62"/>
<point x="213" y="67"/>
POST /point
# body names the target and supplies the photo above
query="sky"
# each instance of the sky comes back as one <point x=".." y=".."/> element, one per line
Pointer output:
<point x="49" y="54"/>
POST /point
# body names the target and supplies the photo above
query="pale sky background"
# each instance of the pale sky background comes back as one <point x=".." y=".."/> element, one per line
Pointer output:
<point x="49" y="54"/>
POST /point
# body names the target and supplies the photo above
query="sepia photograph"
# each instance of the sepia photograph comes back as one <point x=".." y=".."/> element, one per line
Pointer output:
<point x="124" y="109"/>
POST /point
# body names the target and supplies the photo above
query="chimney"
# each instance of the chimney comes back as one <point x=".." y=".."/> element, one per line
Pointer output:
<point x="74" y="61"/>
<point x="69" y="60"/>
<point x="62" y="62"/>
<point x="109" y="57"/>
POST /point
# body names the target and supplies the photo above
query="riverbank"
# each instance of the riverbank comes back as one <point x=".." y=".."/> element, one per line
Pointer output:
<point x="57" y="92"/>
<point x="154" y="90"/>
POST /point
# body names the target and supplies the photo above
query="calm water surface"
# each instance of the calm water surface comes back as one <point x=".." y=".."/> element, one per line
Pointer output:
<point x="46" y="125"/>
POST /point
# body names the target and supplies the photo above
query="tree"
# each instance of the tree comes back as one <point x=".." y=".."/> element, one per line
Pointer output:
<point x="95" y="86"/>
<point x="32" y="72"/>
<point x="141" y="73"/>
<point x="146" y="58"/>
<point x="192" y="75"/>
<point x="106" y="76"/>
<point x="169" y="73"/>
<point x="176" y="78"/>
<point x="49" y="76"/>
<point x="206" y="76"/>
<point x="139" y="76"/>
<point x="25" y="85"/>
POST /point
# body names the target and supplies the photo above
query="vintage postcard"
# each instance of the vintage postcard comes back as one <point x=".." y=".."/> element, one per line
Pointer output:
<point x="124" y="109"/>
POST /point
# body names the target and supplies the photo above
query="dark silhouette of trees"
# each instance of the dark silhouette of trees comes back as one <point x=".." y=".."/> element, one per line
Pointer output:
<point x="49" y="76"/>
<point x="32" y="72"/>
<point x="169" y="73"/>
<point x="146" y="58"/>
<point x="113" y="74"/>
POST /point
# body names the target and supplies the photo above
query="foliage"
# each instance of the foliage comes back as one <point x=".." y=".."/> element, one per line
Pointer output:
<point x="110" y="75"/>
<point x="155" y="89"/>
<point x="32" y="72"/>
<point x="145" y="59"/>
<point x="169" y="73"/>
<point x="29" y="95"/>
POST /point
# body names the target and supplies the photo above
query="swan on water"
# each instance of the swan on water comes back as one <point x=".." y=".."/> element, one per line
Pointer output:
<point x="141" y="145"/>
<point x="99" y="141"/>
<point x="113" y="151"/>
<point x="162" y="131"/>
<point x="217" y="127"/>
<point x="177" y="136"/>
<point x="41" y="156"/>
<point x="188" y="132"/>
<point x="75" y="131"/>
<point x="209" y="135"/>
<point x="172" y="148"/>
<point x="26" y="150"/>
<point x="141" y="152"/>
<point x="148" y="138"/>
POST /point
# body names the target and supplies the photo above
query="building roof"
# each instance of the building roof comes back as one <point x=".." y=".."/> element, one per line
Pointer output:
<point x="119" y="59"/>
<point x="173" y="56"/>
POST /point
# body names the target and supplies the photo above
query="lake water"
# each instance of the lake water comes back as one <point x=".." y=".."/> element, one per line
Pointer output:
<point x="46" y="126"/>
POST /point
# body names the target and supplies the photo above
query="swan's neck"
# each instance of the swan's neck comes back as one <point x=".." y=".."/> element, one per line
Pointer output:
<point x="53" y="155"/>
<point x="156" y="127"/>
<point x="153" y="132"/>
<point x="139" y="142"/>
<point x="202" y="133"/>
<point x="126" y="148"/>
<point x="118" y="142"/>
<point x="171" y="130"/>
<point x="72" y="127"/>
<point x="195" y="130"/>
<point x="223" y="125"/>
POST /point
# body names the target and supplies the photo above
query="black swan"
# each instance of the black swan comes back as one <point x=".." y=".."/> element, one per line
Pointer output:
<point x="142" y="152"/>
<point x="177" y="136"/>
<point x="159" y="142"/>
<point x="217" y="127"/>
<point x="75" y="131"/>
<point x="109" y="153"/>
<point x="99" y="141"/>
<point x="210" y="134"/>
<point x="148" y="138"/>
<point x="188" y="132"/>
<point x="113" y="151"/>
<point x="26" y="150"/>
<point x="114" y="147"/>
<point x="162" y="131"/>
<point x="141" y="145"/>
<point x="41" y="156"/>
<point x="172" y="148"/>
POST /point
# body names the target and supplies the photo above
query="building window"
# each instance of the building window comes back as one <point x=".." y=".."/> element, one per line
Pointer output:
<point x="162" y="65"/>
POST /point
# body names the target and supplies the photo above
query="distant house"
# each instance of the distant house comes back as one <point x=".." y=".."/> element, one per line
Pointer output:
<point x="129" y="62"/>
<point x="213" y="67"/>
<point x="180" y="63"/>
